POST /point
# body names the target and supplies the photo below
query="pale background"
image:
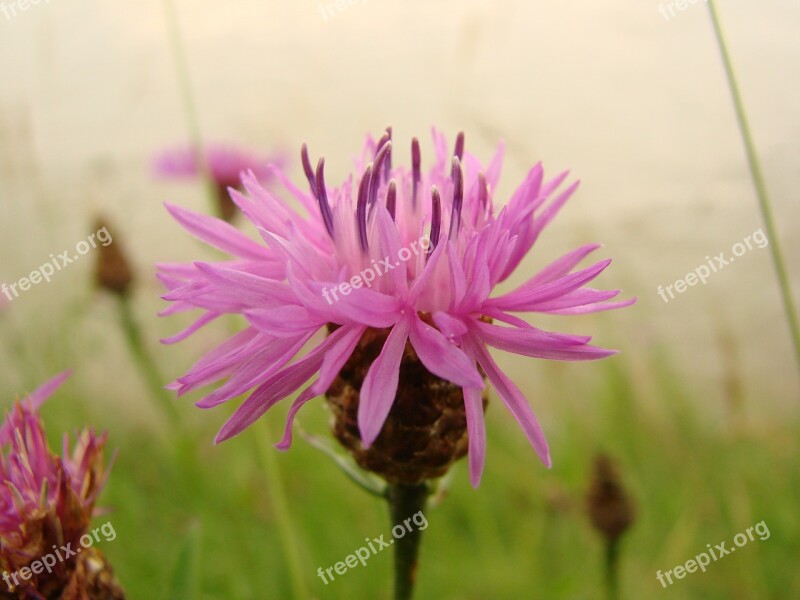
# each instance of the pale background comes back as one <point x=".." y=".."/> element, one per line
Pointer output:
<point x="636" y="106"/>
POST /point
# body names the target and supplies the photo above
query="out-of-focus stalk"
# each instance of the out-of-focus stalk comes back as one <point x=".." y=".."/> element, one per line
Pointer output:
<point x="187" y="98"/>
<point x="283" y="517"/>
<point x="144" y="360"/>
<point x="760" y="186"/>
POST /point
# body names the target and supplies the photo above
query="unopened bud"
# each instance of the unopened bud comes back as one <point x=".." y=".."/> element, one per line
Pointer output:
<point x="610" y="506"/>
<point x="113" y="271"/>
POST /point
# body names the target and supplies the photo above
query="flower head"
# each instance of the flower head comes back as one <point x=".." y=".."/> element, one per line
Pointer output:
<point x="398" y="265"/>
<point x="225" y="163"/>
<point x="46" y="500"/>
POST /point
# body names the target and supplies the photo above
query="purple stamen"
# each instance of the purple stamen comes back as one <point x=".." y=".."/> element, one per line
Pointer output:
<point x="378" y="164"/>
<point x="322" y="197"/>
<point x="436" y="218"/>
<point x="385" y="139"/>
<point x="459" y="151"/>
<point x="382" y="142"/>
<point x="308" y="170"/>
<point x="361" y="207"/>
<point x="458" y="197"/>
<point x="415" y="170"/>
<point x="391" y="198"/>
<point x="388" y="164"/>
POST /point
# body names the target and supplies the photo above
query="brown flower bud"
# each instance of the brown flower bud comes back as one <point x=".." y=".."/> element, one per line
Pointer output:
<point x="113" y="271"/>
<point x="426" y="430"/>
<point x="226" y="208"/>
<point x="611" y="508"/>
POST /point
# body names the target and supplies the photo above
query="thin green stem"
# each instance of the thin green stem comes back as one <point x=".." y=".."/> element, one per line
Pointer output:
<point x="187" y="97"/>
<point x="611" y="566"/>
<point x="283" y="517"/>
<point x="760" y="186"/>
<point x="404" y="502"/>
<point x="144" y="360"/>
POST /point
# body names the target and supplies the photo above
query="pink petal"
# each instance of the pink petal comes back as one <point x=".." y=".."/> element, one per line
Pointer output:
<point x="476" y="431"/>
<point x="44" y="391"/>
<point x="255" y="369"/>
<point x="218" y="362"/>
<point x="540" y="344"/>
<point x="591" y="308"/>
<point x="284" y="321"/>
<point x="514" y="401"/>
<point x="277" y="387"/>
<point x="248" y="289"/>
<point x="458" y="281"/>
<point x="495" y="166"/>
<point x="529" y="233"/>
<point x="530" y="293"/>
<point x="217" y="233"/>
<point x="441" y="357"/>
<point x="480" y="286"/>
<point x="286" y="440"/>
<point x="563" y="265"/>
<point x="204" y="319"/>
<point x="34" y="400"/>
<point x="333" y="363"/>
<point x="391" y="245"/>
<point x="380" y="384"/>
<point x="362" y="305"/>
<point x="451" y="327"/>
<point x="428" y="270"/>
<point x="337" y="356"/>
<point x="579" y="297"/>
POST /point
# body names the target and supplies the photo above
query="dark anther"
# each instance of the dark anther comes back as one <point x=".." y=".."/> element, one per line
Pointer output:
<point x="376" y="171"/>
<point x="436" y="218"/>
<point x="416" y="158"/>
<point x="322" y="197"/>
<point x="361" y="207"/>
<point x="308" y="170"/>
<point x="391" y="199"/>
<point x="458" y="198"/>
<point x="459" y="151"/>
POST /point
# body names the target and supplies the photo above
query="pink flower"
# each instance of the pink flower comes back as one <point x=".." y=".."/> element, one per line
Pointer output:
<point x="439" y="299"/>
<point x="225" y="164"/>
<point x="46" y="499"/>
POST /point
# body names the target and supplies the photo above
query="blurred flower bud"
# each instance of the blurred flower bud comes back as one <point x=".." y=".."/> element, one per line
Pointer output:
<point x="610" y="506"/>
<point x="113" y="271"/>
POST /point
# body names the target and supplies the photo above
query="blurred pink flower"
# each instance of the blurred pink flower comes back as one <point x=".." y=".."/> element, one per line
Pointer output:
<point x="439" y="300"/>
<point x="225" y="164"/>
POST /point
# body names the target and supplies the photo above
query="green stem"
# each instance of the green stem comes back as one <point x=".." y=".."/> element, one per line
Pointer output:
<point x="760" y="186"/>
<point x="144" y="360"/>
<point x="612" y="556"/>
<point x="190" y="109"/>
<point x="283" y="517"/>
<point x="404" y="502"/>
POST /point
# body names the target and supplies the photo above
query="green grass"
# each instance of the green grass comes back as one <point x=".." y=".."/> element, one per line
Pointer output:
<point x="522" y="534"/>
